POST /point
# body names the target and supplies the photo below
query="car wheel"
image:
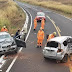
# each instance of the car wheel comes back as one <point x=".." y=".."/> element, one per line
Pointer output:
<point x="45" y="57"/>
<point x="16" y="51"/>
<point x="65" y="59"/>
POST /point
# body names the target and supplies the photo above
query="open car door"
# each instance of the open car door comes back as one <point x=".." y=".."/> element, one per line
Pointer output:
<point x="20" y="43"/>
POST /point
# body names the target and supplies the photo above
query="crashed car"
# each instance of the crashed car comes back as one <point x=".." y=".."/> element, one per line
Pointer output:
<point x="58" y="48"/>
<point x="8" y="44"/>
<point x="40" y="15"/>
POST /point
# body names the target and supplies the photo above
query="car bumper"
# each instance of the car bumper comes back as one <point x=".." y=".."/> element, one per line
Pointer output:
<point x="11" y="49"/>
<point x="57" y="56"/>
<point x="39" y="19"/>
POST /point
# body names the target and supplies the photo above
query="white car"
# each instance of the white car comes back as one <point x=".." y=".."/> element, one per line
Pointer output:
<point x="8" y="44"/>
<point x="40" y="15"/>
<point x="58" y="48"/>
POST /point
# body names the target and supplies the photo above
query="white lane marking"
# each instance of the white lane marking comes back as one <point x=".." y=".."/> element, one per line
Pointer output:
<point x="0" y="70"/>
<point x="2" y="61"/>
<point x="13" y="61"/>
<point x="20" y="48"/>
<point x="30" y="27"/>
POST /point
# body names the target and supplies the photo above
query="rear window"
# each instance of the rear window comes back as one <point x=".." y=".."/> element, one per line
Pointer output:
<point x="40" y="14"/>
<point x="52" y="44"/>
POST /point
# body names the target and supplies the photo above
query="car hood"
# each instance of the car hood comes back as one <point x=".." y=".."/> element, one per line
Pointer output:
<point x="6" y="42"/>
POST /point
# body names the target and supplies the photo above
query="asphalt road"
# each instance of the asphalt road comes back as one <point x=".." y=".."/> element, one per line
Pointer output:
<point x="31" y="59"/>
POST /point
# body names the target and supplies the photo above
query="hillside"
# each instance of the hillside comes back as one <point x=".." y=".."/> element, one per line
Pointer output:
<point x="11" y="15"/>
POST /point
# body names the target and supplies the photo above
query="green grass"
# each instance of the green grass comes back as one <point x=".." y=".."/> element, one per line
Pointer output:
<point x="61" y="6"/>
<point x="11" y="15"/>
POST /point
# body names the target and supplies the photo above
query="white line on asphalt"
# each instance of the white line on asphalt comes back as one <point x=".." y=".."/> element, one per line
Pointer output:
<point x="20" y="48"/>
<point x="30" y="27"/>
<point x="13" y="61"/>
<point x="0" y="70"/>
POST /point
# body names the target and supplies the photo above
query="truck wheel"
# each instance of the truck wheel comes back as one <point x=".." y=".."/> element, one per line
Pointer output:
<point x="65" y="59"/>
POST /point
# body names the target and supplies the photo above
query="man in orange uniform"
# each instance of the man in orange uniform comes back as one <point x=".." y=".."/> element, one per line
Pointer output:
<point x="42" y="23"/>
<point x="40" y="37"/>
<point x="4" y="29"/>
<point x="35" y="23"/>
<point x="51" y="36"/>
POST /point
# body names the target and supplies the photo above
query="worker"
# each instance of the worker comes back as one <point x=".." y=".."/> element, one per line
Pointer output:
<point x="51" y="36"/>
<point x="35" y="24"/>
<point x="17" y="35"/>
<point x="4" y="29"/>
<point x="40" y="37"/>
<point x="42" y="23"/>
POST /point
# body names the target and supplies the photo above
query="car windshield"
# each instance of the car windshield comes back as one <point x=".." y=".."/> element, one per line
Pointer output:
<point x="40" y="14"/>
<point x="4" y="36"/>
<point x="52" y="44"/>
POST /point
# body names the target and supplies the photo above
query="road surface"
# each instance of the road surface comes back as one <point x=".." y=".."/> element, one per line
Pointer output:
<point x="31" y="59"/>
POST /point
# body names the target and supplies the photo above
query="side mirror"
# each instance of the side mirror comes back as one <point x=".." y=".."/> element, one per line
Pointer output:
<point x="20" y="43"/>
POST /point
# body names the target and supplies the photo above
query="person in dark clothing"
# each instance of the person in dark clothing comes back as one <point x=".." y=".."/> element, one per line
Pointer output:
<point x="17" y="35"/>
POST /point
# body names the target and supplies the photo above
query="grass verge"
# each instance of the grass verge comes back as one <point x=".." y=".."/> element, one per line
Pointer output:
<point x="62" y="6"/>
<point x="11" y="15"/>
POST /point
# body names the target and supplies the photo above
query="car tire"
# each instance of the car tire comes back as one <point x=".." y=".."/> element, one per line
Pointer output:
<point x="45" y="58"/>
<point x="65" y="59"/>
<point x="16" y="51"/>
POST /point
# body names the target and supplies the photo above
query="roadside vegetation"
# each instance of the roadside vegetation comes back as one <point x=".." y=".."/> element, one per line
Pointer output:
<point x="62" y="6"/>
<point x="11" y="15"/>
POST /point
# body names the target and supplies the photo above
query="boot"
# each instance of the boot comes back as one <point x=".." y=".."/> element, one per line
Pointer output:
<point x="34" y="29"/>
<point x="40" y="46"/>
<point x="37" y="46"/>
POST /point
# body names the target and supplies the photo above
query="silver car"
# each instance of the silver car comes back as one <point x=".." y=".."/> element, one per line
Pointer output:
<point x="7" y="43"/>
<point x="58" y="48"/>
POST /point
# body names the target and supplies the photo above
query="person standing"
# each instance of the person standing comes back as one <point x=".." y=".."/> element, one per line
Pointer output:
<point x="4" y="29"/>
<point x="17" y="35"/>
<point x="43" y="23"/>
<point x="40" y="37"/>
<point x="35" y="24"/>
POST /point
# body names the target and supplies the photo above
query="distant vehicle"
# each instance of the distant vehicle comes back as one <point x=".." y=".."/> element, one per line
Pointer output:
<point x="8" y="44"/>
<point x="40" y="15"/>
<point x="58" y="48"/>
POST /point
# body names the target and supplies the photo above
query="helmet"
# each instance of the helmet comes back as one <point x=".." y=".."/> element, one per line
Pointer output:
<point x="4" y="26"/>
<point x="54" y="33"/>
<point x="40" y="28"/>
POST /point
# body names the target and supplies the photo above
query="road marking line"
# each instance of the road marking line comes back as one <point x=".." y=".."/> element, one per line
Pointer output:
<point x="0" y="70"/>
<point x="58" y="29"/>
<point x="20" y="48"/>
<point x="30" y="27"/>
<point x="13" y="61"/>
<point x="54" y="25"/>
